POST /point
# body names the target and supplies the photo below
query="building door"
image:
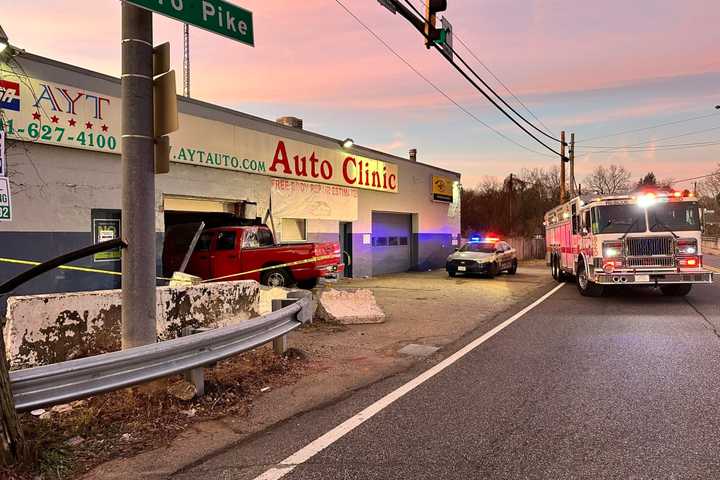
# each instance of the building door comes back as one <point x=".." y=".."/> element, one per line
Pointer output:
<point x="391" y="242"/>
<point x="346" y="242"/>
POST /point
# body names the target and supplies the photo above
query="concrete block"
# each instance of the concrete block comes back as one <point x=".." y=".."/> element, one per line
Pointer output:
<point x="45" y="329"/>
<point x="349" y="307"/>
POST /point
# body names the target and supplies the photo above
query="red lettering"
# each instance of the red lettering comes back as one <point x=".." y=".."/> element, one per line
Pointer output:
<point x="392" y="182"/>
<point x="376" y="179"/>
<point x="326" y="172"/>
<point x="313" y="163"/>
<point x="298" y="162"/>
<point x="281" y="156"/>
<point x="367" y="178"/>
<point x="384" y="177"/>
<point x="346" y="170"/>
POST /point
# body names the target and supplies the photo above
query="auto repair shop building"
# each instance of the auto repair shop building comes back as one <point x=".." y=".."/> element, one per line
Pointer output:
<point x="390" y="214"/>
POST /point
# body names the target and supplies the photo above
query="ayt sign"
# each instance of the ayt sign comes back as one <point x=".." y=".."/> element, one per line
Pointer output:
<point x="48" y="112"/>
<point x="216" y="16"/>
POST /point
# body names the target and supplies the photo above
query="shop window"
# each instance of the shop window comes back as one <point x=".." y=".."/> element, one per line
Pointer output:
<point x="393" y="241"/>
<point x="380" y="242"/>
<point x="294" y="229"/>
<point x="225" y="241"/>
<point x="403" y="241"/>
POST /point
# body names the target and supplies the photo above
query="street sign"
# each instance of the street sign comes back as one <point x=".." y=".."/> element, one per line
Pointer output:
<point x="3" y="160"/>
<point x="215" y="16"/>
<point x="5" y="200"/>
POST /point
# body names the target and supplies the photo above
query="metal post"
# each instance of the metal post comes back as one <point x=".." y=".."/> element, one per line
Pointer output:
<point x="572" y="165"/>
<point x="138" y="179"/>
<point x="280" y="344"/>
<point x="562" y="166"/>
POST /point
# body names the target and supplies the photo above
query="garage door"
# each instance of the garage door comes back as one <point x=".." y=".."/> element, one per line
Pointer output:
<point x="391" y="242"/>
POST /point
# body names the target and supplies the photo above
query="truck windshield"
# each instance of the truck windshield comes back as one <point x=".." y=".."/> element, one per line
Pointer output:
<point x="674" y="216"/>
<point x="478" y="247"/>
<point x="619" y="219"/>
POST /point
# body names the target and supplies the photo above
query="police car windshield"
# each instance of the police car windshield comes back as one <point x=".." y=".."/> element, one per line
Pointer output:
<point x="619" y="219"/>
<point x="478" y="247"/>
<point x="674" y="216"/>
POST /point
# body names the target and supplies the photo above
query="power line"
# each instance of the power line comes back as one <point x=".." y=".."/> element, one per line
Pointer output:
<point x="456" y="36"/>
<point x="433" y="85"/>
<point x="648" y="128"/>
<point x="476" y="75"/>
<point x="625" y="147"/>
<point x="660" y="148"/>
<point x="716" y="174"/>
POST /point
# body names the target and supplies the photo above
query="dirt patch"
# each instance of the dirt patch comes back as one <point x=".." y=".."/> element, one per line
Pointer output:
<point x="127" y="422"/>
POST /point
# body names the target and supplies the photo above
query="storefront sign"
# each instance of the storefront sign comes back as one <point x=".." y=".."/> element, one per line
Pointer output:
<point x="293" y="199"/>
<point x="66" y="116"/>
<point x="48" y="112"/>
<point x="5" y="200"/>
<point x="3" y="159"/>
<point x="442" y="189"/>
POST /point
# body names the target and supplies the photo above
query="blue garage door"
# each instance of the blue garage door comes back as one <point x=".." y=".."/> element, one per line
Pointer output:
<point x="391" y="242"/>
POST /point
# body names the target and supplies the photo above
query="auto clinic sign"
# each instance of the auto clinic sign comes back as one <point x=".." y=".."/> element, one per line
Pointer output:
<point x="47" y="112"/>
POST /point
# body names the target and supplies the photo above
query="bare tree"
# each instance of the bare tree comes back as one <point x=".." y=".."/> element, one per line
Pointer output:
<point x="608" y="180"/>
<point x="710" y="187"/>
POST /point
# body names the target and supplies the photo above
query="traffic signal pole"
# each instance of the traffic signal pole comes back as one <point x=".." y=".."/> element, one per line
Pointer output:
<point x="138" y="179"/>
<point x="562" y="167"/>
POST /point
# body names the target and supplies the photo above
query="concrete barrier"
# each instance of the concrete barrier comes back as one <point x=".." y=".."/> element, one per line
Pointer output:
<point x="45" y="329"/>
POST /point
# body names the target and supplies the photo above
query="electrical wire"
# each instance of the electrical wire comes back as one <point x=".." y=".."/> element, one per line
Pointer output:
<point x="716" y="174"/>
<point x="435" y="86"/>
<point x="627" y="147"/>
<point x="457" y="37"/>
<point x="659" y="125"/>
<point x="486" y="85"/>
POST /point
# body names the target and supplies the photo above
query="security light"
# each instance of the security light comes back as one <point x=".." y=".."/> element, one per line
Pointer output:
<point x="348" y="143"/>
<point x="3" y="40"/>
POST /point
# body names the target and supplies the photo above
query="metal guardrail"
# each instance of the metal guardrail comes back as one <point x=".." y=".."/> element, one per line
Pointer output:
<point x="75" y="379"/>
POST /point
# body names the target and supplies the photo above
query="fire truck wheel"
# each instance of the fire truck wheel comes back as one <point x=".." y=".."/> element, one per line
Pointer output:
<point x="513" y="268"/>
<point x="679" y="290"/>
<point x="554" y="267"/>
<point x="585" y="286"/>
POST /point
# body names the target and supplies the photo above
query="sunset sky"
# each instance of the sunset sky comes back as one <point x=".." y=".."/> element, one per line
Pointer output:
<point x="594" y="68"/>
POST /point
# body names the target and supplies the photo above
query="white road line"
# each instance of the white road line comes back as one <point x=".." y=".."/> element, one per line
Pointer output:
<point x="321" y="443"/>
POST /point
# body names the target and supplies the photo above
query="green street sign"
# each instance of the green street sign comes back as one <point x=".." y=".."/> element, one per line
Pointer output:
<point x="5" y="200"/>
<point x="215" y="16"/>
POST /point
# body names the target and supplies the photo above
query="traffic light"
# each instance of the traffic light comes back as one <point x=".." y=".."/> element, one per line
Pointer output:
<point x="432" y="34"/>
<point x="165" y="106"/>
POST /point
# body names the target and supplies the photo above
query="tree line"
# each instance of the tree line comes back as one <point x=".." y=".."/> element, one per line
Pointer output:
<point x="516" y="206"/>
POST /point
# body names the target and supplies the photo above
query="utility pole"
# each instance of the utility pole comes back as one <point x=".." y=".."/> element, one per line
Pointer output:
<point x="572" y="165"/>
<point x="186" y="60"/>
<point x="562" y="166"/>
<point x="138" y="178"/>
<point x="510" y="204"/>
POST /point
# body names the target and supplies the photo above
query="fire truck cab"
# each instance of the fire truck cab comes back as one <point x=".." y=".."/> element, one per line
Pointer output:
<point x="650" y="238"/>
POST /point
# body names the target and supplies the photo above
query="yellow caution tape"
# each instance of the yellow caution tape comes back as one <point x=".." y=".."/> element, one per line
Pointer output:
<point x="67" y="267"/>
<point x="272" y="267"/>
<point x="110" y="272"/>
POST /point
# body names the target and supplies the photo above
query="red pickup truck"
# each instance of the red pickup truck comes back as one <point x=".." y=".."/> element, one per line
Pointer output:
<point x="248" y="252"/>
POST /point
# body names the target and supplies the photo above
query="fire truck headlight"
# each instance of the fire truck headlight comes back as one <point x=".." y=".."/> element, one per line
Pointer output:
<point x="612" y="249"/>
<point x="687" y="246"/>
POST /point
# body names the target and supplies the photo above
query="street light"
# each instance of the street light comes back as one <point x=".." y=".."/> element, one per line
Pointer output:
<point x="348" y="143"/>
<point x="717" y="107"/>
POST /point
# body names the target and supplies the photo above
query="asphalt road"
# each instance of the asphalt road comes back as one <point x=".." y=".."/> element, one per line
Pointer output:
<point x="625" y="386"/>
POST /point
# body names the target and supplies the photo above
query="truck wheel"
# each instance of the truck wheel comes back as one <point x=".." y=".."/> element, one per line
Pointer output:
<point x="678" y="290"/>
<point x="585" y="286"/>
<point x="554" y="267"/>
<point x="513" y="268"/>
<point x="279" y="277"/>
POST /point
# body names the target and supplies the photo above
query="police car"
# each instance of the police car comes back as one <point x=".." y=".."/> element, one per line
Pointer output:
<point x="483" y="255"/>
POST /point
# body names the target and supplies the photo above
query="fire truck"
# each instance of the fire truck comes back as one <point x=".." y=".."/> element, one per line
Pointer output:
<point x="647" y="238"/>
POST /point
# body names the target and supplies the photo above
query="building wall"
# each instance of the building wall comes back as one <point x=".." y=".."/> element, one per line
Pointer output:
<point x="56" y="188"/>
